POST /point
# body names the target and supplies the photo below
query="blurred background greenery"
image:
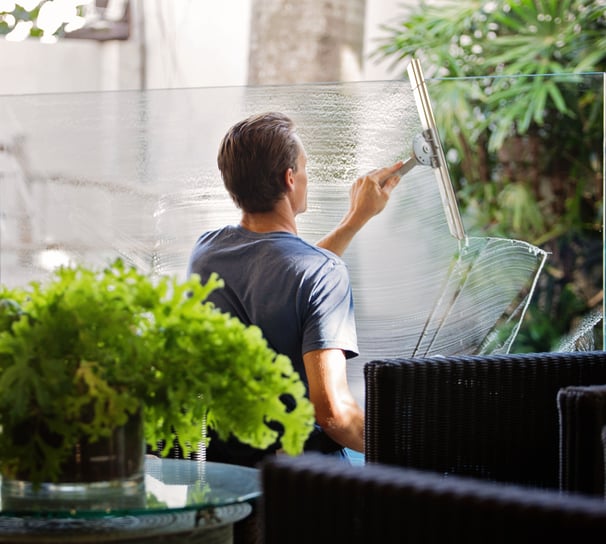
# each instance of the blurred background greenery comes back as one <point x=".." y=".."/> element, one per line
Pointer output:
<point x="525" y="145"/>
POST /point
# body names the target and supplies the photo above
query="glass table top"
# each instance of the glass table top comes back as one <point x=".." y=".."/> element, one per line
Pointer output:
<point x="170" y="486"/>
<point x="177" y="484"/>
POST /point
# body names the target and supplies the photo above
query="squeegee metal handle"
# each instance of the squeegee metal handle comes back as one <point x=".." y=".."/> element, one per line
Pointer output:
<point x="408" y="165"/>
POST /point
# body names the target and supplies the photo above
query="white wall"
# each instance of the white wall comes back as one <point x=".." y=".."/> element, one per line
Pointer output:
<point x="196" y="44"/>
<point x="188" y="44"/>
<point x="380" y="12"/>
<point x="68" y="66"/>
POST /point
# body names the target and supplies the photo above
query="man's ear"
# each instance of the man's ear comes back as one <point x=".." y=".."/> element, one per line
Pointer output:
<point x="289" y="179"/>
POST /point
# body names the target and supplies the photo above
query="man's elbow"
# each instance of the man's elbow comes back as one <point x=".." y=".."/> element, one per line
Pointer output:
<point x="334" y="420"/>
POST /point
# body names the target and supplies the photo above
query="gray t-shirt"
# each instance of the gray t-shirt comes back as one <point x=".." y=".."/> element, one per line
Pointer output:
<point x="298" y="294"/>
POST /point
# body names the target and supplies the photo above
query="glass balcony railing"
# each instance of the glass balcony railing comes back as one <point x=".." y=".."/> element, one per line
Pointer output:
<point x="86" y="178"/>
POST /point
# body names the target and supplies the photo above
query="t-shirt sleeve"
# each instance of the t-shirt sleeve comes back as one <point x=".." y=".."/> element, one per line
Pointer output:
<point x="330" y="322"/>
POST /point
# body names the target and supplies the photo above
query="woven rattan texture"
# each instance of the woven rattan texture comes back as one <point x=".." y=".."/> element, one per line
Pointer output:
<point x="314" y="499"/>
<point x="582" y="413"/>
<point x="491" y="417"/>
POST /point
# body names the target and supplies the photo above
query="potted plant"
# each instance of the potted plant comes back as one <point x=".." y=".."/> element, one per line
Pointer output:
<point x="88" y="351"/>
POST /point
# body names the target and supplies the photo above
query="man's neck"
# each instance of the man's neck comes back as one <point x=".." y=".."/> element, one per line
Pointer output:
<point x="278" y="220"/>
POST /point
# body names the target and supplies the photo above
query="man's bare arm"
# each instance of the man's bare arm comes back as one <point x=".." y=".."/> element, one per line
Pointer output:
<point x="337" y="411"/>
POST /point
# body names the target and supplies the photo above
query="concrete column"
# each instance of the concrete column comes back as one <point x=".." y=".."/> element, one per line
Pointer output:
<point x="306" y="41"/>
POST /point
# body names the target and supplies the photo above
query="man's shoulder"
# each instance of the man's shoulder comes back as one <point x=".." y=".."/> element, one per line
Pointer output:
<point x="214" y="235"/>
<point x="272" y="245"/>
<point x="312" y="251"/>
<point x="221" y="231"/>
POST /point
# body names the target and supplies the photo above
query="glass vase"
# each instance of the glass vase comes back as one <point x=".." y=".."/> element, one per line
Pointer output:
<point x="100" y="476"/>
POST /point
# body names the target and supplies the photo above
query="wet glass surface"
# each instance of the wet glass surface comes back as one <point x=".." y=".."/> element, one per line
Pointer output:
<point x="90" y="177"/>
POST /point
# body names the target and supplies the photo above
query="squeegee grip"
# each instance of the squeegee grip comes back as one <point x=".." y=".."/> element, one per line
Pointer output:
<point x="408" y="165"/>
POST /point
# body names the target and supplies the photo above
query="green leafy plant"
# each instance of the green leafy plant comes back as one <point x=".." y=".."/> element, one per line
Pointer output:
<point x="522" y="126"/>
<point x="83" y="351"/>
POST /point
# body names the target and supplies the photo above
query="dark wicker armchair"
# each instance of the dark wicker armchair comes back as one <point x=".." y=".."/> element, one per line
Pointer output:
<point x="492" y="417"/>
<point x="316" y="499"/>
<point x="582" y="411"/>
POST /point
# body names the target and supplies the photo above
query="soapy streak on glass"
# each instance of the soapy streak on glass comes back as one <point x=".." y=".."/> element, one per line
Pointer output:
<point x="133" y="174"/>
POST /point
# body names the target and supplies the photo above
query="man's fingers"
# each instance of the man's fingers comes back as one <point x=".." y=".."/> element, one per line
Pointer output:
<point x="385" y="172"/>
<point x="388" y="177"/>
<point x="390" y="183"/>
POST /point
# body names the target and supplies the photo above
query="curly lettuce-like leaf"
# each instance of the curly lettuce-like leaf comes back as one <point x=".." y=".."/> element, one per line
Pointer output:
<point x="83" y="351"/>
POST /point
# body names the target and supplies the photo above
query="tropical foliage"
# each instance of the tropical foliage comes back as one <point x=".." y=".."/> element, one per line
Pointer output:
<point x="517" y="87"/>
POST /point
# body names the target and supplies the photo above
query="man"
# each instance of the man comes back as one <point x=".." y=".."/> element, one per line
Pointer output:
<point x="297" y="293"/>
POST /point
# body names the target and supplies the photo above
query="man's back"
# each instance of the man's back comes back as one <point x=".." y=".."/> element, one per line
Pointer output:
<point x="298" y="294"/>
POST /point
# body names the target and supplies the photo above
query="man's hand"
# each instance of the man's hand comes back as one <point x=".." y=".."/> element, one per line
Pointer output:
<point x="368" y="196"/>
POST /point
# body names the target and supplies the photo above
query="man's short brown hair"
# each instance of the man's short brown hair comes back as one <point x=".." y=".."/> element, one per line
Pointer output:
<point x="253" y="157"/>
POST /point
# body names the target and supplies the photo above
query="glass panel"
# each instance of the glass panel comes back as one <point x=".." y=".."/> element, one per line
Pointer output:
<point x="90" y="177"/>
<point x="540" y="179"/>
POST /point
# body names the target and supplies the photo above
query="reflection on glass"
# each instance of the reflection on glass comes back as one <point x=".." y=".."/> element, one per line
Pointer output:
<point x="170" y="484"/>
